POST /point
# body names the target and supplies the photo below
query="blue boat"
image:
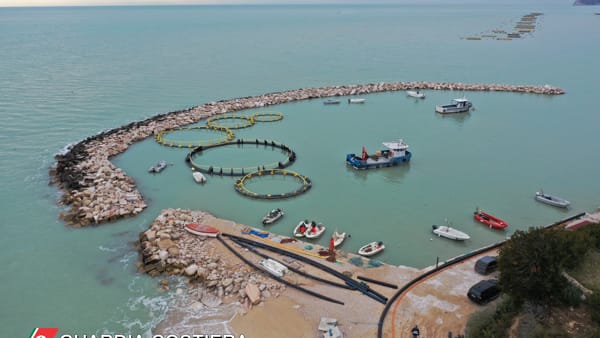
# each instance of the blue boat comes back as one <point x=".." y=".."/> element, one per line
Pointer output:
<point x="396" y="153"/>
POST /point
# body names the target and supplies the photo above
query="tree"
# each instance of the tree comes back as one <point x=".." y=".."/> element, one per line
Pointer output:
<point x="531" y="265"/>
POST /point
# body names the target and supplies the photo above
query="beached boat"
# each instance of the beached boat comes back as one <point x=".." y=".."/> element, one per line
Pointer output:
<point x="158" y="167"/>
<point x="415" y="93"/>
<point x="273" y="267"/>
<point x="551" y="200"/>
<point x="272" y="216"/>
<point x="357" y="100"/>
<point x="371" y="249"/>
<point x="457" y="106"/>
<point x="198" y="177"/>
<point x="449" y="232"/>
<point x="396" y="153"/>
<point x="315" y="230"/>
<point x="489" y="220"/>
<point x="331" y="101"/>
<point x="338" y="238"/>
<point x="301" y="228"/>
<point x="202" y="229"/>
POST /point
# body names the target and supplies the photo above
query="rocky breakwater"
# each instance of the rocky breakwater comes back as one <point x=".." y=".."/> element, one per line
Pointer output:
<point x="167" y="249"/>
<point x="95" y="191"/>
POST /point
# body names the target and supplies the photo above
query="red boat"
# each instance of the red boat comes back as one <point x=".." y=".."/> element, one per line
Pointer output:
<point x="202" y="229"/>
<point x="489" y="220"/>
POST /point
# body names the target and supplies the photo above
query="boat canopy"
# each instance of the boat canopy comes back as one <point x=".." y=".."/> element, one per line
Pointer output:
<point x="398" y="145"/>
<point x="463" y="100"/>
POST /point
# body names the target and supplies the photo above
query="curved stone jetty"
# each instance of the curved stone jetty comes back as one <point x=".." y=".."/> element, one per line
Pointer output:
<point x="95" y="191"/>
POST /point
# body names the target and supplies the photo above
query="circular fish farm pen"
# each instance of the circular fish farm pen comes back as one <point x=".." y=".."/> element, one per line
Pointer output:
<point x="241" y="171"/>
<point x="305" y="182"/>
<point x="237" y="121"/>
<point x="226" y="137"/>
<point x="267" y="116"/>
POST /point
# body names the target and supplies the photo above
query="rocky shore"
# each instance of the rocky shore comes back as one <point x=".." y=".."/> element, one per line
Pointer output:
<point x="167" y="249"/>
<point x="95" y="191"/>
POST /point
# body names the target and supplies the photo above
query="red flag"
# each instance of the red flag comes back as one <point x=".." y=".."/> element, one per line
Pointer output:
<point x="44" y="332"/>
<point x="364" y="154"/>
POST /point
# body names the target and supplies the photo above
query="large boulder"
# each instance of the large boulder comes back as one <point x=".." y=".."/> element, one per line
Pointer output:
<point x="253" y="293"/>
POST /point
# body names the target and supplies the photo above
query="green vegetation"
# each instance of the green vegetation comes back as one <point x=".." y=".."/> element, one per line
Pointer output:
<point x="493" y="321"/>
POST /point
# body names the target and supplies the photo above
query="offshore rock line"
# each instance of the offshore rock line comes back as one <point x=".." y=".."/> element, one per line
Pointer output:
<point x="95" y="191"/>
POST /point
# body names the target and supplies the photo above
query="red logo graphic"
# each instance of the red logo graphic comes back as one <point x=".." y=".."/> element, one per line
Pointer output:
<point x="44" y="332"/>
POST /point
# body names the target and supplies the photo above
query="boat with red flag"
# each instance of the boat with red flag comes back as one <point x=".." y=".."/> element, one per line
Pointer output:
<point x="489" y="220"/>
<point x="202" y="229"/>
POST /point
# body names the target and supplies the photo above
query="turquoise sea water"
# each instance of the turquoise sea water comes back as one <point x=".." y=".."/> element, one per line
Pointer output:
<point x="66" y="73"/>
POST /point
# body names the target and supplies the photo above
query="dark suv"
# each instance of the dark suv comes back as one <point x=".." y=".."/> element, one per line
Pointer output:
<point x="486" y="265"/>
<point x="484" y="291"/>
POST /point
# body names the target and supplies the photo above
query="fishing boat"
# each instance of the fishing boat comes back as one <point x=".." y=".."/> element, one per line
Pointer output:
<point x="273" y="267"/>
<point x="449" y="232"/>
<point x="457" y="106"/>
<point x="396" y="153"/>
<point x="371" y="249"/>
<point x="338" y="238"/>
<point x="551" y="200"/>
<point x="198" y="177"/>
<point x="158" y="167"/>
<point x="201" y="229"/>
<point x="315" y="230"/>
<point x="415" y="93"/>
<point x="331" y="101"/>
<point x="272" y="216"/>
<point x="301" y="228"/>
<point x="357" y="100"/>
<point x="489" y="220"/>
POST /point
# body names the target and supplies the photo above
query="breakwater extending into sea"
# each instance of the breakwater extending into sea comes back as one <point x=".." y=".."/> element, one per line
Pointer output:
<point x="96" y="191"/>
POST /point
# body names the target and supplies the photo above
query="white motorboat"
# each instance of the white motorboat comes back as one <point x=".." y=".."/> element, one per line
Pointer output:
<point x="371" y="249"/>
<point x="338" y="238"/>
<point x="551" y="200"/>
<point x="158" y="167"/>
<point x="198" y="177"/>
<point x="301" y="228"/>
<point x="415" y="93"/>
<point x="331" y="101"/>
<point x="273" y="267"/>
<point x="357" y="100"/>
<point x="315" y="230"/>
<point x="449" y="232"/>
<point x="272" y="216"/>
<point x="457" y="106"/>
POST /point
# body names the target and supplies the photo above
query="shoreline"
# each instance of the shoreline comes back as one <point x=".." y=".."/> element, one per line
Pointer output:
<point x="94" y="191"/>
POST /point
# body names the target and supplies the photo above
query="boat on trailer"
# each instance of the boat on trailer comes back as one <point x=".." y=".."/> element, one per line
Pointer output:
<point x="489" y="220"/>
<point x="396" y="153"/>
<point x="457" y="106"/>
<point x="415" y="93"/>
<point x="449" y="232"/>
<point x="551" y="200"/>
<point x="202" y="229"/>
<point x="371" y="249"/>
<point x="272" y="216"/>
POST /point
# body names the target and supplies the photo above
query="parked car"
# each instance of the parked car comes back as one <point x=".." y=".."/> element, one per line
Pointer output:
<point x="486" y="265"/>
<point x="484" y="292"/>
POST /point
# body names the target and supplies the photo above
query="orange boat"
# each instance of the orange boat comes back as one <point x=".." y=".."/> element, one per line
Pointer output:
<point x="202" y="229"/>
<point x="489" y="220"/>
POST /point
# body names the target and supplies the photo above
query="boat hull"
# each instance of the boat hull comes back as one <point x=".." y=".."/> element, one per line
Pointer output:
<point x="552" y="200"/>
<point x="338" y="238"/>
<point x="450" y="233"/>
<point x="202" y="230"/>
<point x="272" y="217"/>
<point x="415" y="94"/>
<point x="382" y="162"/>
<point x="489" y="220"/>
<point x="371" y="249"/>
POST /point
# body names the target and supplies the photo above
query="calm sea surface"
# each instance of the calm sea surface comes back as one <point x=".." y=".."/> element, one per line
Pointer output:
<point x="67" y="73"/>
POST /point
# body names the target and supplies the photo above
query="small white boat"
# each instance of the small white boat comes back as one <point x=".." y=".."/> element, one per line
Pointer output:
<point x="272" y="216"/>
<point x="551" y="200"/>
<point x="357" y="100"/>
<point x="338" y="238"/>
<point x="158" y="167"/>
<point x="273" y="266"/>
<point x="301" y="228"/>
<point x="315" y="230"/>
<point x="449" y="232"/>
<point x="331" y="101"/>
<point x="198" y="177"/>
<point x="415" y="93"/>
<point x="371" y="249"/>
<point x="457" y="106"/>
